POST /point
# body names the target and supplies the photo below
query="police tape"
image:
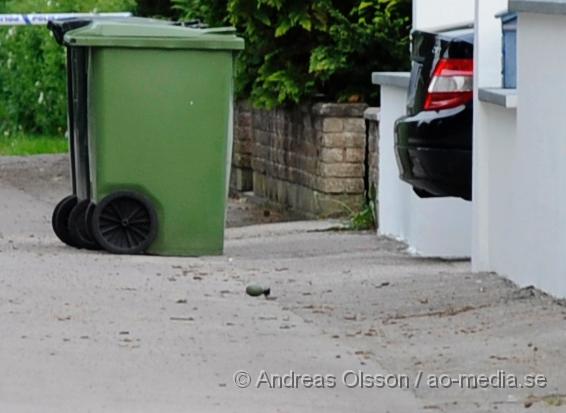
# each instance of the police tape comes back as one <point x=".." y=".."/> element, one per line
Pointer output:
<point x="40" y="19"/>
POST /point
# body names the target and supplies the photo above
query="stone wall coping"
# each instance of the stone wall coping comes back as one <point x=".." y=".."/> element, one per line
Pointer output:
<point x="506" y="98"/>
<point x="340" y="110"/>
<point x="372" y="114"/>
<point x="397" y="79"/>
<point x="538" y="6"/>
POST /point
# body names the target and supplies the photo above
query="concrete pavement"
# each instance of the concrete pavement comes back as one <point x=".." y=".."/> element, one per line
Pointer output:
<point x="92" y="332"/>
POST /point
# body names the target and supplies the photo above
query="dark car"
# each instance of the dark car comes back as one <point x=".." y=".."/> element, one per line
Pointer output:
<point x="433" y="143"/>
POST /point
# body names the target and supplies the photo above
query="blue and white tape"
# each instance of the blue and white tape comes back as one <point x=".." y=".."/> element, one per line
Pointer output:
<point x="40" y="19"/>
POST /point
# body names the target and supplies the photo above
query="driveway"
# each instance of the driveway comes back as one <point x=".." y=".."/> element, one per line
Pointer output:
<point x="91" y="332"/>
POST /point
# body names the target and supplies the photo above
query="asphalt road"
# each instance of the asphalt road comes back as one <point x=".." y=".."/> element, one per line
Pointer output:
<point x="91" y="332"/>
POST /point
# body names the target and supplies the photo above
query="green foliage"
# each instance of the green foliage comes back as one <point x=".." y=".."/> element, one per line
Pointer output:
<point x="321" y="49"/>
<point x="213" y="12"/>
<point x="72" y="6"/>
<point x="155" y="8"/>
<point x="32" y="68"/>
<point x="366" y="219"/>
<point x="363" y="220"/>
<point x="32" y="82"/>
<point x="296" y="51"/>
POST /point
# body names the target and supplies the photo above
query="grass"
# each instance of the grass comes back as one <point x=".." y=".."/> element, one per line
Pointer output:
<point x="25" y="145"/>
<point x="366" y="219"/>
<point x="363" y="220"/>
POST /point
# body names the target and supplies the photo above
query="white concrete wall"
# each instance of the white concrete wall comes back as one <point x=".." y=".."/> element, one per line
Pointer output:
<point x="487" y="61"/>
<point x="434" y="13"/>
<point x="393" y="212"/>
<point x="436" y="227"/>
<point x="527" y="217"/>
<point x="539" y="173"/>
<point x="520" y="156"/>
<point x="503" y="198"/>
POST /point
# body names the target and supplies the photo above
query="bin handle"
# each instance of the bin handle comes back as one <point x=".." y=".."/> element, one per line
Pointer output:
<point x="198" y="24"/>
<point x="193" y="24"/>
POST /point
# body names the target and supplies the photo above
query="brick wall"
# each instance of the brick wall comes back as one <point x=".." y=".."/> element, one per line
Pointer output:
<point x="241" y="179"/>
<point x="310" y="159"/>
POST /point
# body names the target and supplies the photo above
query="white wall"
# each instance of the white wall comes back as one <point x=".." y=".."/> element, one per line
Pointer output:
<point x="393" y="212"/>
<point x="434" y="13"/>
<point x="540" y="162"/>
<point x="520" y="165"/>
<point x="487" y="61"/>
<point x="504" y="204"/>
<point x="534" y="253"/>
<point x="436" y="227"/>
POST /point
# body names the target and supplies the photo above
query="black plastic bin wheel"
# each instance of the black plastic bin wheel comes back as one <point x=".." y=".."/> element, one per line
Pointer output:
<point x="125" y="223"/>
<point x="60" y="219"/>
<point x="78" y="227"/>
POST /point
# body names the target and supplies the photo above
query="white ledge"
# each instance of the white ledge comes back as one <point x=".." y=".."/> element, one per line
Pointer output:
<point x="372" y="114"/>
<point x="506" y="98"/>
<point x="397" y="79"/>
<point x="538" y="6"/>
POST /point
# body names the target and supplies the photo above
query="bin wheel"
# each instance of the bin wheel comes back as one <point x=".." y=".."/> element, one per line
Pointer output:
<point x="88" y="219"/>
<point x="60" y="219"/>
<point x="78" y="228"/>
<point x="125" y="222"/>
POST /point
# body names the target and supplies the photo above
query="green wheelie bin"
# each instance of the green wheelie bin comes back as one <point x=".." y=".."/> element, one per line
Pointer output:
<point x="153" y="132"/>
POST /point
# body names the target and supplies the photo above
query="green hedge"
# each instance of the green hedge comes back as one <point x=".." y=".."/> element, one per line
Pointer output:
<point x="32" y="76"/>
<point x="322" y="49"/>
<point x="32" y="68"/>
<point x="296" y="51"/>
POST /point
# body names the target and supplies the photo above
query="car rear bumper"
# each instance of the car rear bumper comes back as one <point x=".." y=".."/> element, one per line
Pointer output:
<point x="442" y="172"/>
<point x="434" y="151"/>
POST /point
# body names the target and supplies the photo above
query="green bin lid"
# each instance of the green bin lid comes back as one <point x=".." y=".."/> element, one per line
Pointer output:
<point x="147" y="33"/>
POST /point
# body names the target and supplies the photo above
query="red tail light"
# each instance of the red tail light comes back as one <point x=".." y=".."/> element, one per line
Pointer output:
<point x="452" y="84"/>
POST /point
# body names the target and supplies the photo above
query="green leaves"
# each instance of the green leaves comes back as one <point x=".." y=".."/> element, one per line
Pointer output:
<point x="32" y="82"/>
<point x="298" y="18"/>
<point x="86" y="6"/>
<point x="213" y="12"/>
<point x="325" y="61"/>
<point x="296" y="50"/>
<point x="32" y="69"/>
